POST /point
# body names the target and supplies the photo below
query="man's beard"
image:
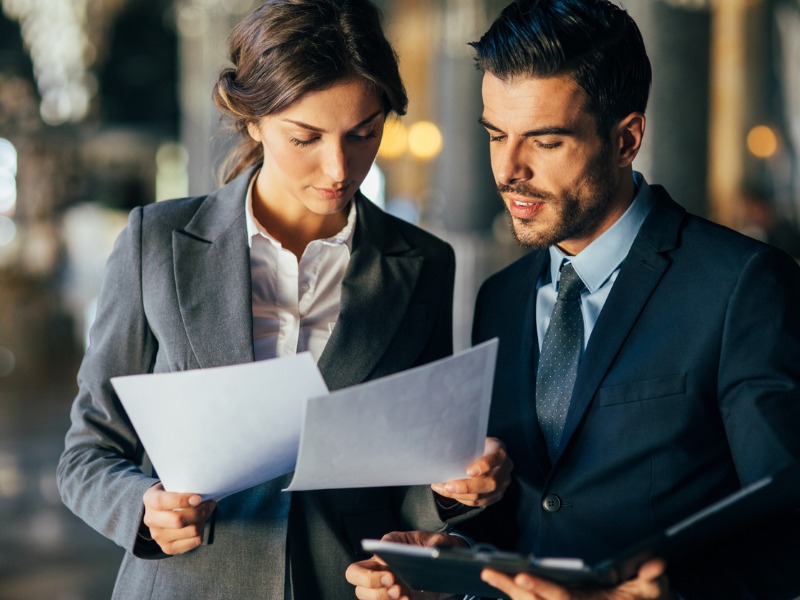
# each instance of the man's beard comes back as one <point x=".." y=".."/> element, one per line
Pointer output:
<point x="576" y="217"/>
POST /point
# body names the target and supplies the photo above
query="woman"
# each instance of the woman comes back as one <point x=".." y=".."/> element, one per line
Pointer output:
<point x="288" y="256"/>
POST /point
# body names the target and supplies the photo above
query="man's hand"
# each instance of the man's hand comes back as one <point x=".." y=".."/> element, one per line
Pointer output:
<point x="650" y="584"/>
<point x="489" y="476"/>
<point x="374" y="580"/>
<point x="175" y="521"/>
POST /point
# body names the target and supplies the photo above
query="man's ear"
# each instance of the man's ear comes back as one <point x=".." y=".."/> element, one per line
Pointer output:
<point x="627" y="137"/>
<point x="252" y="129"/>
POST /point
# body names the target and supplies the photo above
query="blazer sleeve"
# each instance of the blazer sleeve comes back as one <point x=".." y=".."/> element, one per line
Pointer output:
<point x="100" y="474"/>
<point x="759" y="400"/>
<point x="759" y="378"/>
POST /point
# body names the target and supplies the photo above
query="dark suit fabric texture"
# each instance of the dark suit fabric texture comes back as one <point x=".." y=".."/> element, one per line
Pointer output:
<point x="680" y="399"/>
<point x="177" y="296"/>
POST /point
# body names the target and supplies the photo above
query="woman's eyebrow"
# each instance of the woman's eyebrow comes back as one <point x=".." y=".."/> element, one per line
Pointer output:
<point x="320" y="130"/>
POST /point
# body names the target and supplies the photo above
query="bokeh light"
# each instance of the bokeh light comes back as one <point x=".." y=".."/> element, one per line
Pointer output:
<point x="762" y="141"/>
<point x="395" y="139"/>
<point x="424" y="140"/>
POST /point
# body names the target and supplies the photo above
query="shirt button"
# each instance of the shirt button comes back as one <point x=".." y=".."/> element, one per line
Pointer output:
<point x="551" y="503"/>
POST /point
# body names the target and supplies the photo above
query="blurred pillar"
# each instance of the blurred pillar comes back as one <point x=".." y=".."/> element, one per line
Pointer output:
<point x="464" y="185"/>
<point x="728" y="108"/>
<point x="675" y="149"/>
<point x="202" y="31"/>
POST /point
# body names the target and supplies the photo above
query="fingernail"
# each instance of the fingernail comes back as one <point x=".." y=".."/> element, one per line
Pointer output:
<point x="195" y="500"/>
<point x="473" y="471"/>
<point x="524" y="582"/>
<point x="394" y="592"/>
<point x="436" y="487"/>
<point x="487" y="577"/>
<point x="451" y="487"/>
<point x="386" y="580"/>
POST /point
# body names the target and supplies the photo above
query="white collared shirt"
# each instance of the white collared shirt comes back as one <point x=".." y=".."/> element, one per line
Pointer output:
<point x="295" y="303"/>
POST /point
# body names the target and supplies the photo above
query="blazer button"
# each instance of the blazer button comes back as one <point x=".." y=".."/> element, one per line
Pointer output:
<point x="551" y="503"/>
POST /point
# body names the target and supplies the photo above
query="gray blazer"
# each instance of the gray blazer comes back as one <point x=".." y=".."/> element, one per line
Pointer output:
<point x="177" y="296"/>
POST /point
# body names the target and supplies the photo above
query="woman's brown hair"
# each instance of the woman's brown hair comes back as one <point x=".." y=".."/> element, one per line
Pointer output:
<point x="287" y="48"/>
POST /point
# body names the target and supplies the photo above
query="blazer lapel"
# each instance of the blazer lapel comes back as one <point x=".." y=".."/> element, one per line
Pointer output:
<point x="377" y="286"/>
<point x="530" y="339"/>
<point x="640" y="273"/>
<point x="212" y="272"/>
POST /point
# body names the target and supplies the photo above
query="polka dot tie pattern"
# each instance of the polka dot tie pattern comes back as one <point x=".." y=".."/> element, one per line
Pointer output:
<point x="562" y="348"/>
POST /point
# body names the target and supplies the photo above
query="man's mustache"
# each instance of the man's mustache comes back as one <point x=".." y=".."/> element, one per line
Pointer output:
<point x="525" y="190"/>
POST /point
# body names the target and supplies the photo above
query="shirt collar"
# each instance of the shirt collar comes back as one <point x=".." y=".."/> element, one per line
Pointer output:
<point x="598" y="261"/>
<point x="254" y="228"/>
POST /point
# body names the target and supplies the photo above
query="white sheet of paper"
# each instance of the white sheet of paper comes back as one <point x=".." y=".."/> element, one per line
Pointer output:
<point x="421" y="426"/>
<point x="217" y="431"/>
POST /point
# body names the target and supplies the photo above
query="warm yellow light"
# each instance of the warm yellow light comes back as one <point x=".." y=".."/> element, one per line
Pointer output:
<point x="424" y="140"/>
<point x="395" y="139"/>
<point x="762" y="141"/>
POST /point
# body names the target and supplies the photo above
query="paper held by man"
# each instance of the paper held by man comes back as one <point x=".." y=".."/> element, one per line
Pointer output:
<point x="218" y="431"/>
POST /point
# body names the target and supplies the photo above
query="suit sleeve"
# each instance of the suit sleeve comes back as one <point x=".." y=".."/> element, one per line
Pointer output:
<point x="759" y="400"/>
<point x="759" y="379"/>
<point x="99" y="474"/>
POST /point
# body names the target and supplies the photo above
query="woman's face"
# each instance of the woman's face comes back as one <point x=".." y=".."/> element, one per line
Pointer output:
<point x="319" y="150"/>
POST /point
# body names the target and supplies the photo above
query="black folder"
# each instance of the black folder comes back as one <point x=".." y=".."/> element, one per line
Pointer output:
<point x="457" y="570"/>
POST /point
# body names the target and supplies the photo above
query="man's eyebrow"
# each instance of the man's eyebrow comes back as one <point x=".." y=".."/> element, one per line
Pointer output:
<point x="319" y="130"/>
<point x="549" y="130"/>
<point x="488" y="125"/>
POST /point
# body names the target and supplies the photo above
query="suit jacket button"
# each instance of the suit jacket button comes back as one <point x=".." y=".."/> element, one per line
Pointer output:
<point x="551" y="503"/>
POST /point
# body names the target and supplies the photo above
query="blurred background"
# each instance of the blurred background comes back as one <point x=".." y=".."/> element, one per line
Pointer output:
<point x="105" y="105"/>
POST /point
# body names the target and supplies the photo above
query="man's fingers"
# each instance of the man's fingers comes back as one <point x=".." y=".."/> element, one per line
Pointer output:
<point x="462" y="487"/>
<point x="504" y="583"/>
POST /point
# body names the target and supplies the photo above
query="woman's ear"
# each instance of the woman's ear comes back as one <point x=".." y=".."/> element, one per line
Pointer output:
<point x="628" y="138"/>
<point x="252" y="129"/>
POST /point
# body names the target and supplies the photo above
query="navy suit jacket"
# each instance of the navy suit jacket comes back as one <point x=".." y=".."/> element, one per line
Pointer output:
<point x="678" y="401"/>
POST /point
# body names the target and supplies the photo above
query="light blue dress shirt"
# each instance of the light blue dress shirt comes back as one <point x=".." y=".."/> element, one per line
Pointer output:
<point x="597" y="265"/>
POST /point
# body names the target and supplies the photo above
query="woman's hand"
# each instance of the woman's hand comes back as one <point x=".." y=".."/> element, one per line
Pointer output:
<point x="489" y="476"/>
<point x="176" y="521"/>
<point x="374" y="580"/>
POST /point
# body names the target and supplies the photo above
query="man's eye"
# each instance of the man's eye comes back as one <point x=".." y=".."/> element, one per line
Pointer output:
<point x="547" y="146"/>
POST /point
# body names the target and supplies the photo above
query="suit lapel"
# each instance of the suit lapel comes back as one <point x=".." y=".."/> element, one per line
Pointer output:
<point x="530" y="339"/>
<point x="640" y="273"/>
<point x="376" y="290"/>
<point x="212" y="272"/>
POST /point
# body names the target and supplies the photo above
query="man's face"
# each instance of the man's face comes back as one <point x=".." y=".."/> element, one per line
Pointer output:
<point x="557" y="177"/>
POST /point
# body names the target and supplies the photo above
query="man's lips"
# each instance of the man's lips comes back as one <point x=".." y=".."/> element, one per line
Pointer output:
<point x="524" y="207"/>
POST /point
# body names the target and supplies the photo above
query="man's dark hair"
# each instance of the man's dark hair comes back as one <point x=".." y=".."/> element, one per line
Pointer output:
<point x="594" y="42"/>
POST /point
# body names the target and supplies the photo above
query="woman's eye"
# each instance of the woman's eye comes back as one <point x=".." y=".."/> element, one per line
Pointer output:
<point x="363" y="138"/>
<point x="302" y="143"/>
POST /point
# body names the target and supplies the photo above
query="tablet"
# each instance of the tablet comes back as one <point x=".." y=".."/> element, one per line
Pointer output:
<point x="457" y="570"/>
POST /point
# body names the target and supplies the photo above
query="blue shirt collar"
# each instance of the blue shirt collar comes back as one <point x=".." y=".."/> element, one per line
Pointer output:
<point x="598" y="261"/>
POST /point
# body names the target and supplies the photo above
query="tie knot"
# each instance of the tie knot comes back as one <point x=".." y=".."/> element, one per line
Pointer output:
<point x="570" y="285"/>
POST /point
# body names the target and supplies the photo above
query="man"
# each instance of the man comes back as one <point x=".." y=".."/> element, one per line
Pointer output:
<point x="644" y="352"/>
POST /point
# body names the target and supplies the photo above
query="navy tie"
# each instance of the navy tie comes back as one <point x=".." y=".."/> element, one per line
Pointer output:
<point x="562" y="348"/>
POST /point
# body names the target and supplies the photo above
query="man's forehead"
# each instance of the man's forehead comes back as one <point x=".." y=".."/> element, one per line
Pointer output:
<point x="529" y="98"/>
